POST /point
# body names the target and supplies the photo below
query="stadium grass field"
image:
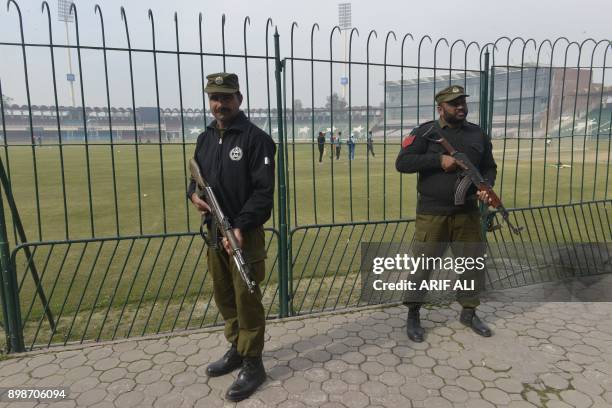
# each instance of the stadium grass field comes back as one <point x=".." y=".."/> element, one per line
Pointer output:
<point x="362" y="189"/>
<point x="126" y="287"/>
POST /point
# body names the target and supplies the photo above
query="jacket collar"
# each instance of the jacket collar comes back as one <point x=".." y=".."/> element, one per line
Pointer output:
<point x="442" y="123"/>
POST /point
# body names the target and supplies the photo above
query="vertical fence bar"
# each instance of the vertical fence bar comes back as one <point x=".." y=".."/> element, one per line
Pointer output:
<point x="559" y="135"/>
<point x="520" y="111"/>
<point x="599" y="127"/>
<point x="110" y="120"/>
<point x="73" y="10"/>
<point x="202" y="69"/>
<point x="282" y="199"/>
<point x="384" y="215"/>
<point x="135" y="127"/>
<point x="30" y="121"/>
<point x="484" y="115"/>
<point x="295" y="206"/>
<point x="4" y="237"/>
<point x="535" y="87"/>
<point x="246" y="64"/>
<point x="350" y="119"/>
<point x="586" y="120"/>
<point x="180" y="91"/>
<point x="161" y="151"/>
<point x="401" y="175"/>
<point x="269" y="121"/>
<point x="331" y="121"/>
<point x="368" y="118"/>
<point x="45" y="6"/>
<point x="223" y="40"/>
<point x="484" y="94"/>
<point x="312" y="109"/>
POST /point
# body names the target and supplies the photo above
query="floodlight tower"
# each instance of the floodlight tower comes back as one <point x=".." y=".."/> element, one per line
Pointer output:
<point x="63" y="14"/>
<point x="344" y="21"/>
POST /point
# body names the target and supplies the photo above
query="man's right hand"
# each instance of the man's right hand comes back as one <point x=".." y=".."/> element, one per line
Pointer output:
<point x="200" y="204"/>
<point x="448" y="163"/>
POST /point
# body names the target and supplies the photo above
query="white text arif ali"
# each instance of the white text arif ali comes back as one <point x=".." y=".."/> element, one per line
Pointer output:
<point x="429" y="285"/>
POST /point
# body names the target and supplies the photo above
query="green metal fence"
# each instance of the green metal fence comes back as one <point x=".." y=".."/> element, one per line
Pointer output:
<point x="98" y="241"/>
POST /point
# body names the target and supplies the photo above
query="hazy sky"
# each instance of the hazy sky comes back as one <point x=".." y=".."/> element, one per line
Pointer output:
<point x="477" y="20"/>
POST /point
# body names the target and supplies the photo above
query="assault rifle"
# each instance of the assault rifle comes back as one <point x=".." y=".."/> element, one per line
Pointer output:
<point x="219" y="222"/>
<point x="470" y="175"/>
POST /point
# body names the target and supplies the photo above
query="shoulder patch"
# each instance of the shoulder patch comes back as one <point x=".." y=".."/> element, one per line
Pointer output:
<point x="408" y="140"/>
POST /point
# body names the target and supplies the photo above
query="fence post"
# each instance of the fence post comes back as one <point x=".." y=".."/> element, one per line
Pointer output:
<point x="10" y="291"/>
<point x="484" y="123"/>
<point x="484" y="94"/>
<point x="282" y="188"/>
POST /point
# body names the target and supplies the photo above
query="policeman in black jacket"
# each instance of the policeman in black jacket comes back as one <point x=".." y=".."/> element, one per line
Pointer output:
<point x="438" y="219"/>
<point x="237" y="160"/>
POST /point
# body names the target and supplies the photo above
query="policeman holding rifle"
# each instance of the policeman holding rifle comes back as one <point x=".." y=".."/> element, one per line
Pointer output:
<point x="443" y="216"/>
<point x="236" y="159"/>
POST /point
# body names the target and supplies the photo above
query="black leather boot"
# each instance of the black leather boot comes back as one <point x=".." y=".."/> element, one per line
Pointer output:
<point x="230" y="361"/>
<point x="469" y="318"/>
<point x="413" y="324"/>
<point x="250" y="377"/>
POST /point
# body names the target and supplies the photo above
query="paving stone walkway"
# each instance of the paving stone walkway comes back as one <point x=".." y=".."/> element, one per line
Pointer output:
<point x="542" y="355"/>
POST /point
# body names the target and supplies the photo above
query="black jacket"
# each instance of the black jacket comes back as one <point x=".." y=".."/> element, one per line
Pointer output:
<point x="435" y="187"/>
<point x="240" y="168"/>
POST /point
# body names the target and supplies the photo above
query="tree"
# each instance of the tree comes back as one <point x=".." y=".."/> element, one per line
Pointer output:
<point x="297" y="104"/>
<point x="6" y="100"/>
<point x="338" y="103"/>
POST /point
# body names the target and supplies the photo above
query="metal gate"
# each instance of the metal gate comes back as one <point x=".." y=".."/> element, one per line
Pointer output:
<point x="98" y="241"/>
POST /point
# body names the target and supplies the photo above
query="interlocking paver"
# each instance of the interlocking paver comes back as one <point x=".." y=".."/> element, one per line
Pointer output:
<point x="91" y="397"/>
<point x="129" y="399"/>
<point x="139" y="366"/>
<point x="334" y="386"/>
<point x="454" y="394"/>
<point x="437" y="402"/>
<point x="354" y="376"/>
<point x="173" y="399"/>
<point x="184" y="379"/>
<point x="446" y="372"/>
<point x="114" y="374"/>
<point x="149" y="376"/>
<point x="40" y="360"/>
<point x="296" y="384"/>
<point x="496" y="396"/>
<point x="174" y="368"/>
<point x="120" y="386"/>
<point x="392" y="379"/>
<point x="84" y="384"/>
<point x="374" y="389"/>
<point x="355" y="399"/>
<point x="560" y="354"/>
<point x="130" y="356"/>
<point x="155" y="347"/>
<point x="576" y="398"/>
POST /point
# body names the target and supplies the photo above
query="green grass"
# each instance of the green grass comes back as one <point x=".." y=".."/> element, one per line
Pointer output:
<point x="126" y="287"/>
